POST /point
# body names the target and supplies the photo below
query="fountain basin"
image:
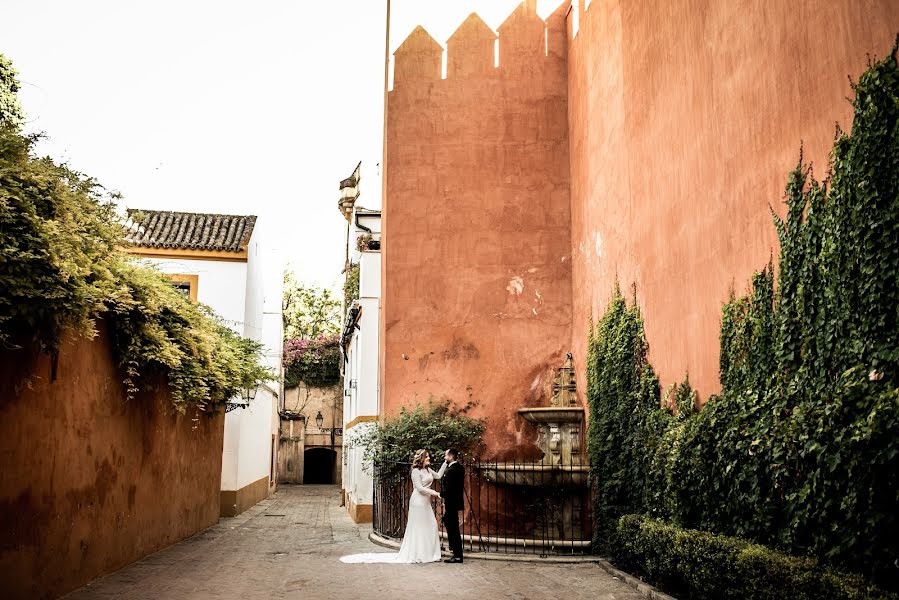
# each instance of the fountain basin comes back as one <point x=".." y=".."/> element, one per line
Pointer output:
<point x="553" y="415"/>
<point x="537" y="474"/>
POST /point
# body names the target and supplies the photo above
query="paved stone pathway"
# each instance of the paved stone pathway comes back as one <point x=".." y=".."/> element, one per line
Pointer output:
<point x="288" y="547"/>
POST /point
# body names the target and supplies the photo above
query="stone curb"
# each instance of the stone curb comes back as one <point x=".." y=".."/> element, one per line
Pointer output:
<point x="646" y="590"/>
<point x="531" y="558"/>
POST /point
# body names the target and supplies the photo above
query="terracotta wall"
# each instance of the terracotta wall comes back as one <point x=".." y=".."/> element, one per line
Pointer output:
<point x="685" y="117"/>
<point x="476" y="221"/>
<point x="90" y="481"/>
<point x="681" y="121"/>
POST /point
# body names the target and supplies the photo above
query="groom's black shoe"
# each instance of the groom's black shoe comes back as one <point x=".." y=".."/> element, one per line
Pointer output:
<point x="454" y="559"/>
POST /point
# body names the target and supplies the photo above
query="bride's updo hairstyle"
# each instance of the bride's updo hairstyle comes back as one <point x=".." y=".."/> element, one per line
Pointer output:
<point x="419" y="460"/>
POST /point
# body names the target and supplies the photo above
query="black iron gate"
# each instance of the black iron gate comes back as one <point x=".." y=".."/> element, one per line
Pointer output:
<point x="510" y="507"/>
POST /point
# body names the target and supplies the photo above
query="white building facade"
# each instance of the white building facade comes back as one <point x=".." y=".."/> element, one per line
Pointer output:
<point x="217" y="260"/>
<point x="360" y="342"/>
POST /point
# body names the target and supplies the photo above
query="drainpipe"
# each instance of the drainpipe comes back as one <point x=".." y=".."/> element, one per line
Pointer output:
<point x="360" y="225"/>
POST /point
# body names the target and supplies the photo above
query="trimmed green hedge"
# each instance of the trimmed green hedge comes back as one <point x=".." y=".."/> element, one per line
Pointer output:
<point x="700" y="565"/>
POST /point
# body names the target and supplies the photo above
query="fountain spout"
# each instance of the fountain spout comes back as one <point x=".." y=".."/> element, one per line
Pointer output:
<point x="559" y="424"/>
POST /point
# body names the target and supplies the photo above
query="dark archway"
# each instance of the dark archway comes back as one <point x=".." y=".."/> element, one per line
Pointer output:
<point x="318" y="465"/>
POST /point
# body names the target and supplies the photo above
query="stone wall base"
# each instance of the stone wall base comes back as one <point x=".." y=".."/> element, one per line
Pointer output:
<point x="235" y="502"/>
<point x="359" y="513"/>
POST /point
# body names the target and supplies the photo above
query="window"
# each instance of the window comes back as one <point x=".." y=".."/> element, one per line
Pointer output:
<point x="186" y="284"/>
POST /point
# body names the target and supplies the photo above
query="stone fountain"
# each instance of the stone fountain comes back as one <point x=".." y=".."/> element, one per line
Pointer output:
<point x="559" y="428"/>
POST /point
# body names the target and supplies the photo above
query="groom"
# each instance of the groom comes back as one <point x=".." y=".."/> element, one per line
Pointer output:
<point x="451" y="492"/>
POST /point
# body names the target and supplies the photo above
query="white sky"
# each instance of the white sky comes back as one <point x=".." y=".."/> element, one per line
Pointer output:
<point x="239" y="107"/>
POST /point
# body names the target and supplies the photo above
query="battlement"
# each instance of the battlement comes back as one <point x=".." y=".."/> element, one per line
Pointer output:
<point x="524" y="41"/>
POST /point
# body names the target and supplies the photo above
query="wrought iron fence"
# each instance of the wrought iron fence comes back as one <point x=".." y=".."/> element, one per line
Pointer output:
<point x="510" y="507"/>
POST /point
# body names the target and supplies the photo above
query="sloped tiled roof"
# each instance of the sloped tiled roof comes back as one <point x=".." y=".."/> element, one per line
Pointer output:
<point x="188" y="231"/>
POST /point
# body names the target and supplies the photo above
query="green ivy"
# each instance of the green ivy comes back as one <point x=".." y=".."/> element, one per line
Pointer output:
<point x="801" y="449"/>
<point x="61" y="271"/>
<point x="623" y="395"/>
<point x="57" y="233"/>
<point x="157" y="331"/>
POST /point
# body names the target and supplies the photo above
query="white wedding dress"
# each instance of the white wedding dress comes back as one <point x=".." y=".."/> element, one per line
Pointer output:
<point x="421" y="542"/>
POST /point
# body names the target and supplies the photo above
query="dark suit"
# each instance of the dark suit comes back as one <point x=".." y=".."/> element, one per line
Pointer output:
<point x="451" y="489"/>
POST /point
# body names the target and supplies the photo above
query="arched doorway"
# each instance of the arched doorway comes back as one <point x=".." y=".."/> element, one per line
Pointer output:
<point x="318" y="465"/>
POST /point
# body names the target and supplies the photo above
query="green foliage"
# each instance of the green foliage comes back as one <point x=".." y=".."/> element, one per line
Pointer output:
<point x="57" y="232"/>
<point x="157" y="331"/>
<point x="801" y="450"/>
<point x="308" y="312"/>
<point x="435" y="427"/>
<point x="62" y="270"/>
<point x="622" y="393"/>
<point x="314" y="362"/>
<point x="703" y="566"/>
<point x="11" y="113"/>
<point x="747" y="359"/>
<point x="351" y="285"/>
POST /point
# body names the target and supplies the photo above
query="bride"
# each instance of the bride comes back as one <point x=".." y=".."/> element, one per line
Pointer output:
<point x="421" y="542"/>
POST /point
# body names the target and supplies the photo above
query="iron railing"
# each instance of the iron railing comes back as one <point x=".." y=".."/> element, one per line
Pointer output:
<point x="510" y="507"/>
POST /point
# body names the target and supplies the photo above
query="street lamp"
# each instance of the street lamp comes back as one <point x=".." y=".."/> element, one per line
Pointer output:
<point x="249" y="393"/>
<point x="319" y="419"/>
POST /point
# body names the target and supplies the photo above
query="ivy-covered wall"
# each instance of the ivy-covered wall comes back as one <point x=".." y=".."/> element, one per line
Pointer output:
<point x="685" y="117"/>
<point x="801" y="450"/>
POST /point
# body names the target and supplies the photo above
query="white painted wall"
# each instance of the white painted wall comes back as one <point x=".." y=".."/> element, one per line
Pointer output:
<point x="362" y="369"/>
<point x="247" y="453"/>
<point x="254" y="291"/>
<point x="248" y="296"/>
<point x="220" y="285"/>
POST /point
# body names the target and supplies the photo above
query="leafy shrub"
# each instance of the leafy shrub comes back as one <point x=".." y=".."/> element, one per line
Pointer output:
<point x="435" y="427"/>
<point x="62" y="270"/>
<point x="11" y="113"/>
<point x="58" y="233"/>
<point x="314" y="362"/>
<point x="700" y="565"/>
<point x="156" y="330"/>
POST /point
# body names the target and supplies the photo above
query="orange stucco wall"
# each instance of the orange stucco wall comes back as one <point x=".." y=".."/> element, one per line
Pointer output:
<point x="685" y="117"/>
<point x="476" y="271"/>
<point x="653" y="141"/>
<point x="91" y="481"/>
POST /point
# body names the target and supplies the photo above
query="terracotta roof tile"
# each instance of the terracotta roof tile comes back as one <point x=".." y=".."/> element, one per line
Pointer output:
<point x="190" y="231"/>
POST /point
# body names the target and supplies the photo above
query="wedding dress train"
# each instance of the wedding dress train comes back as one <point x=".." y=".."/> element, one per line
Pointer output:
<point x="421" y="542"/>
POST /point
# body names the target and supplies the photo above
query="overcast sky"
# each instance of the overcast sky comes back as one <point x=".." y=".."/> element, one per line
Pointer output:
<point x="240" y="107"/>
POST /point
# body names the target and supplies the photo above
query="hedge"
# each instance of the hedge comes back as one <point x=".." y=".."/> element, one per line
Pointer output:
<point x="699" y="565"/>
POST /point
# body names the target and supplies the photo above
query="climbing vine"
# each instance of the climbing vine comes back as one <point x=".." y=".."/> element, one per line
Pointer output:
<point x="61" y="271"/>
<point x="801" y="449"/>
<point x="622" y="393"/>
<point x="315" y="362"/>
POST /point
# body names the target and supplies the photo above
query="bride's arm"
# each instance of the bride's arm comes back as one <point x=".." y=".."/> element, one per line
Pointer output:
<point x="419" y="487"/>
<point x="438" y="474"/>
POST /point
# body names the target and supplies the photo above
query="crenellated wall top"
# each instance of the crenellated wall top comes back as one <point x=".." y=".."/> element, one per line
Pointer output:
<point x="522" y="40"/>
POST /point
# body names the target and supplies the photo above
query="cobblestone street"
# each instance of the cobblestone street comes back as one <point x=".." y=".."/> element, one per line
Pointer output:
<point x="288" y="547"/>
